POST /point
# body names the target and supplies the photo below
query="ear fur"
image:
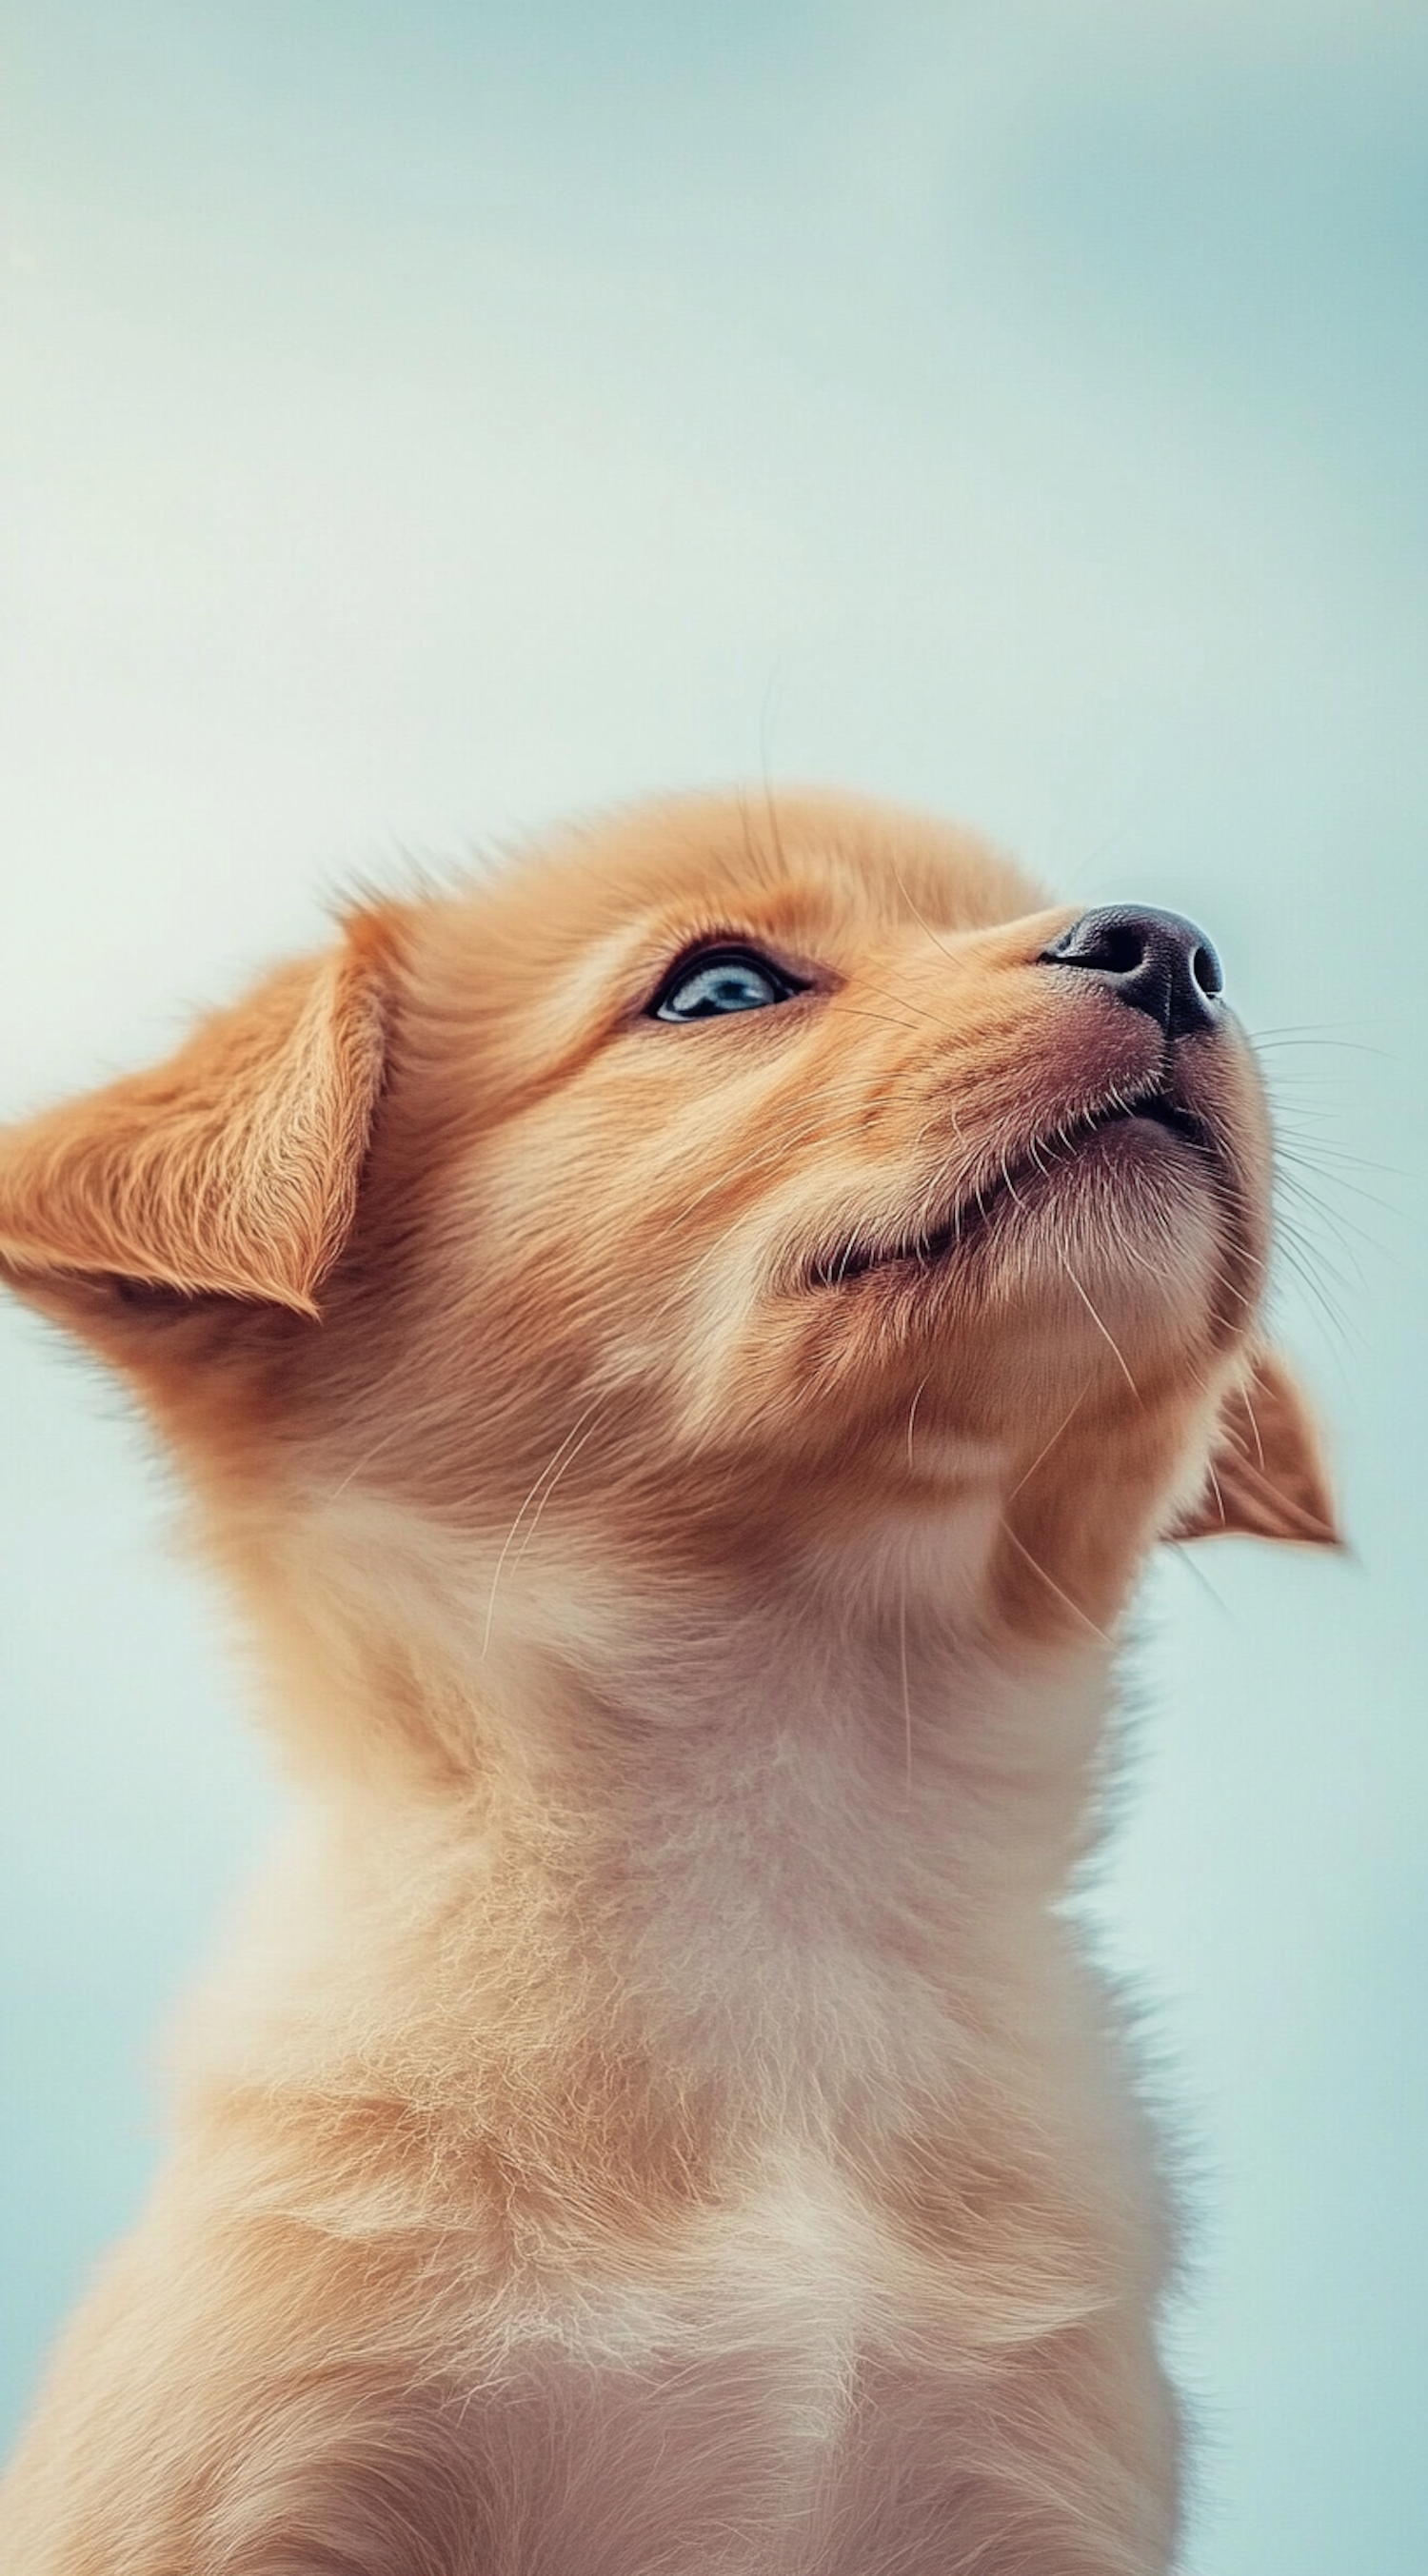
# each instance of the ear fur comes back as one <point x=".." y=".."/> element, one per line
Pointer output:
<point x="1266" y="1476"/>
<point x="231" y="1169"/>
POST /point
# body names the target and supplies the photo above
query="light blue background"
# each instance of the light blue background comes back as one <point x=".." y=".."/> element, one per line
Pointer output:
<point x="422" y="421"/>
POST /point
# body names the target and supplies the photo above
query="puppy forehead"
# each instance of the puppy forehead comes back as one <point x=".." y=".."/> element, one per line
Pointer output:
<point x="805" y="868"/>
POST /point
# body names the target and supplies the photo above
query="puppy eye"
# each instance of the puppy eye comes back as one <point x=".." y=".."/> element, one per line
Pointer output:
<point x="737" y="979"/>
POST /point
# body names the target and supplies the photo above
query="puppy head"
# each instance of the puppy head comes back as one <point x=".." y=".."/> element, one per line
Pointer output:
<point x="732" y="1185"/>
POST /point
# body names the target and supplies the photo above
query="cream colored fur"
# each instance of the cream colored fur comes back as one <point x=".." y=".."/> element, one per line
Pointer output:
<point x="654" y="2118"/>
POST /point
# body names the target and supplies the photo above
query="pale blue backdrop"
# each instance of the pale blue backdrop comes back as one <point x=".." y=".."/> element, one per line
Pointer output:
<point x="421" y="421"/>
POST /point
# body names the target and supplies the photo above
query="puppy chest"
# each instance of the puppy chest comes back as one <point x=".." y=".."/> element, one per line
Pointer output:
<point x="756" y="2402"/>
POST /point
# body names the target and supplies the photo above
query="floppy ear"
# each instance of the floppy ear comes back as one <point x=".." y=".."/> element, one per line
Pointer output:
<point x="1266" y="1476"/>
<point x="232" y="1169"/>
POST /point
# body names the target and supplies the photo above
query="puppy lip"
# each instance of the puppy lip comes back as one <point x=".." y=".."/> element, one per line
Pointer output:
<point x="975" y="1210"/>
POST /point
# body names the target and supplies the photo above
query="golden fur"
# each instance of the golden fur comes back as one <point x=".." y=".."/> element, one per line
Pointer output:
<point x="685" y="1482"/>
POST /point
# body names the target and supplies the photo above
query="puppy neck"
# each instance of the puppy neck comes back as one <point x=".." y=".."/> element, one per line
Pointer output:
<point x="780" y="1832"/>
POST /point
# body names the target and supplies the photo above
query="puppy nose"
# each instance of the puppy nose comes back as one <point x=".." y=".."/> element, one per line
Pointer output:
<point x="1157" y="961"/>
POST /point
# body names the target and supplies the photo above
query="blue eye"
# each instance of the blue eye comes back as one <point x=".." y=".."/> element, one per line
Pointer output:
<point x="713" y="987"/>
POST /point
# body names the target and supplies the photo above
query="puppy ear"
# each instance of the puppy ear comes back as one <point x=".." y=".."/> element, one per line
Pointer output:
<point x="1266" y="1476"/>
<point x="232" y="1169"/>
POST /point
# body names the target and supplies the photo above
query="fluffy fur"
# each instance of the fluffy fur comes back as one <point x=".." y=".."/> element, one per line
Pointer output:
<point x="685" y="1482"/>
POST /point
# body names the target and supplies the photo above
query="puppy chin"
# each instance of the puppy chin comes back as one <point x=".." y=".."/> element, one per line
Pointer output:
<point x="1105" y="1284"/>
<point x="1135" y="1244"/>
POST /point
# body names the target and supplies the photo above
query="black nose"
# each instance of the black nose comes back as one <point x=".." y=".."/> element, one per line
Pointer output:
<point x="1156" y="961"/>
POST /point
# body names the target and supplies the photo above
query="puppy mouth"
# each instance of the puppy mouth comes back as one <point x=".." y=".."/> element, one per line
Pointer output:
<point x="974" y="1212"/>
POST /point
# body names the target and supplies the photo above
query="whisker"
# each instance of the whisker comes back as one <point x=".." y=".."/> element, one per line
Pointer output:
<point x="1050" y="1581"/>
<point x="912" y="1417"/>
<point x="909" y="1002"/>
<point x="1101" y="1326"/>
<point x="552" y="1465"/>
<point x="919" y="918"/>
<point x="1042" y="1454"/>
<point x="1304" y="1273"/>
<point x="855" y="1011"/>
<point x="1332" y="1180"/>
<point x="364" y="1462"/>
<point x="1313" y="1150"/>
<point x="1339" y="1225"/>
<point x="1192" y="1565"/>
<point x="565" y="1465"/>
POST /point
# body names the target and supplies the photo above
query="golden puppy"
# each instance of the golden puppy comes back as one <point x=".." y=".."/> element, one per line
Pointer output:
<point x="682" y="1350"/>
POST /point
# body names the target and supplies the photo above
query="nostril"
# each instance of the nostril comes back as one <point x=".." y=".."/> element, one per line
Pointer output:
<point x="1207" y="971"/>
<point x="1120" y="950"/>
